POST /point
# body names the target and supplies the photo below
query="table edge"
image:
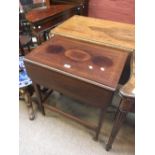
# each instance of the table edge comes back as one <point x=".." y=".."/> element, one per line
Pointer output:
<point x="70" y="75"/>
<point x="119" y="47"/>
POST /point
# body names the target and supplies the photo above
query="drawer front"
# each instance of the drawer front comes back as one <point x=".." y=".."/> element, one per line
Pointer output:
<point x="69" y="86"/>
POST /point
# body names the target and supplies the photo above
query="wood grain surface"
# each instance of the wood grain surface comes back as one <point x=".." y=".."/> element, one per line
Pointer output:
<point x="98" y="31"/>
<point x="94" y="64"/>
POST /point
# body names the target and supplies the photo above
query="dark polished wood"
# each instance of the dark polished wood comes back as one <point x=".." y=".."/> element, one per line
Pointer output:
<point x="101" y="32"/>
<point x="92" y="63"/>
<point x="83" y="4"/>
<point x="83" y="71"/>
<point x="37" y="15"/>
<point x="43" y="19"/>
<point x="127" y="104"/>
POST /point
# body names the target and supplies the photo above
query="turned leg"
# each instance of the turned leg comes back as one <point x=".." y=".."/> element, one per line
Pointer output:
<point x="120" y="118"/>
<point x="29" y="49"/>
<point x="21" y="49"/>
<point x="39" y="97"/>
<point x="44" y="35"/>
<point x="38" y="39"/>
<point x="101" y="117"/>
<point x="28" y="102"/>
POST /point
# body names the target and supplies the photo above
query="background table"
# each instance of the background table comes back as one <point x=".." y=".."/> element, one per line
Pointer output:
<point x="43" y="19"/>
<point x="98" y="31"/>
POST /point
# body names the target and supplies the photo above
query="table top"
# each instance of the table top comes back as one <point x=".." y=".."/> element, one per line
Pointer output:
<point x="98" y="31"/>
<point x="42" y="13"/>
<point x="98" y="65"/>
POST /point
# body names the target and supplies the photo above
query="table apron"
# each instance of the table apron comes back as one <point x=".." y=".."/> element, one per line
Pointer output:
<point x="75" y="88"/>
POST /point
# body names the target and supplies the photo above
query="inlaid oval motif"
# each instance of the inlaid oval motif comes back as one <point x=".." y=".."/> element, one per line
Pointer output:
<point x="55" y="49"/>
<point x="102" y="61"/>
<point x="77" y="55"/>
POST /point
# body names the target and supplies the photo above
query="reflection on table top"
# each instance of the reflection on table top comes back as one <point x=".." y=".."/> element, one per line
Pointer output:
<point x="98" y="31"/>
<point x="99" y="65"/>
<point x="42" y="13"/>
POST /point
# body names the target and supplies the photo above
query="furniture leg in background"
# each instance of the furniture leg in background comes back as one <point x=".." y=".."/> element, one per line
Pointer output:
<point x="126" y="105"/>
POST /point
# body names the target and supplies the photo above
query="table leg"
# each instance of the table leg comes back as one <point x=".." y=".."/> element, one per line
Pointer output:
<point x="101" y="117"/>
<point x="28" y="102"/>
<point x="120" y="118"/>
<point x="21" y="49"/>
<point x="29" y="49"/>
<point x="44" y="35"/>
<point x="39" y="39"/>
<point x="40" y="100"/>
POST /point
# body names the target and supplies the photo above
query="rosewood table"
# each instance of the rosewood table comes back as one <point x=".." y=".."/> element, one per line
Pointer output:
<point x="83" y="71"/>
<point x="44" y="18"/>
